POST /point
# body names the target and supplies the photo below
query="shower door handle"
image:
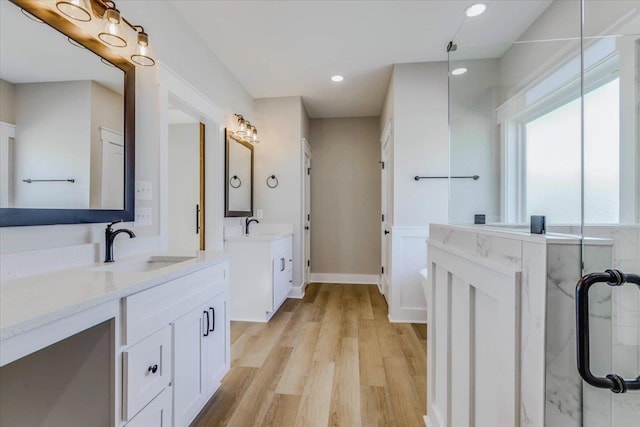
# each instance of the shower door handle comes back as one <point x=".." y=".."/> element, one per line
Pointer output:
<point x="613" y="382"/>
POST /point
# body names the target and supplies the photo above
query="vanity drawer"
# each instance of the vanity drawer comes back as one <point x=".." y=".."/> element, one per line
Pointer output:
<point x="150" y="310"/>
<point x="146" y="371"/>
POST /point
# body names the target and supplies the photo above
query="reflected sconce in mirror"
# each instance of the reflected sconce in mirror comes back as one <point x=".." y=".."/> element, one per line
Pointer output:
<point x="246" y="131"/>
<point x="113" y="30"/>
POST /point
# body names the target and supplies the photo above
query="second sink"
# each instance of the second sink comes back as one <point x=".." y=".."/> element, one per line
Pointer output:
<point x="149" y="264"/>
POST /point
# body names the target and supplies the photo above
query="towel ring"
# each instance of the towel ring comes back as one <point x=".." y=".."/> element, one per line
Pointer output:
<point x="271" y="183"/>
<point x="233" y="179"/>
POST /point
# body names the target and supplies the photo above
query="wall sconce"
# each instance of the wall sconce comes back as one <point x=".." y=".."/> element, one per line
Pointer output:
<point x="114" y="29"/>
<point x="246" y="131"/>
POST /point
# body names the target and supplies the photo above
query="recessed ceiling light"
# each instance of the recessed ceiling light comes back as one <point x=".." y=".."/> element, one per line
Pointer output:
<point x="337" y="78"/>
<point x="459" y="71"/>
<point x="475" y="10"/>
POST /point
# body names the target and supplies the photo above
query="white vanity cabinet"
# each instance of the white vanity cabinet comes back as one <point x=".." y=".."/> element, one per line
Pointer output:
<point x="262" y="275"/>
<point x="201" y="357"/>
<point x="183" y="348"/>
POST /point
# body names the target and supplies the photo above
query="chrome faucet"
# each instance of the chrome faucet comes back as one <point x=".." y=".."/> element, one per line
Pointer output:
<point x="248" y="222"/>
<point x="110" y="234"/>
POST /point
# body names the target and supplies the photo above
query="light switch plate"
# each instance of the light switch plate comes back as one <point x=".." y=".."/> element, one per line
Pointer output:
<point x="143" y="190"/>
<point x="259" y="214"/>
<point x="143" y="217"/>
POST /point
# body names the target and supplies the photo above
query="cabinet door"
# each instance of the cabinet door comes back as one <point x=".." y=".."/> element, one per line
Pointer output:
<point x="155" y="414"/>
<point x="282" y="278"/>
<point x="188" y="335"/>
<point x="215" y="345"/>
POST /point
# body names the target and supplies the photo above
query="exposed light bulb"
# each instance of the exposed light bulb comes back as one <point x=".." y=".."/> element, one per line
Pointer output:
<point x="143" y="55"/>
<point x="111" y="32"/>
<point x="337" y="78"/>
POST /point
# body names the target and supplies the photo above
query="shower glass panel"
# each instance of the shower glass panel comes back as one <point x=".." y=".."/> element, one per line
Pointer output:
<point x="612" y="202"/>
<point x="515" y="121"/>
<point x="548" y="123"/>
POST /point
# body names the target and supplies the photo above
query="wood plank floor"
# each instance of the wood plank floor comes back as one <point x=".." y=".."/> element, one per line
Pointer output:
<point x="330" y="359"/>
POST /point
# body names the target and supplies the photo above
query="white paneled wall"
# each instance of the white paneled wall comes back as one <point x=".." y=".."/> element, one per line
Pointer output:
<point x="474" y="324"/>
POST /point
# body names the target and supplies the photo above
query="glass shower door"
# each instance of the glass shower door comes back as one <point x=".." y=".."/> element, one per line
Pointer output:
<point x="611" y="207"/>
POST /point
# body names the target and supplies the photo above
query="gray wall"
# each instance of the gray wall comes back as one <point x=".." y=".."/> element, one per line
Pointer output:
<point x="345" y="195"/>
<point x="7" y="102"/>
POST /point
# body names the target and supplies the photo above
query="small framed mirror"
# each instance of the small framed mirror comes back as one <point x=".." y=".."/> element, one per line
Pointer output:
<point x="239" y="177"/>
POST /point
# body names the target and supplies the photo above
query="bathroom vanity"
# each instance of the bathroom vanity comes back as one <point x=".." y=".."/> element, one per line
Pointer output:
<point x="262" y="274"/>
<point x="139" y="342"/>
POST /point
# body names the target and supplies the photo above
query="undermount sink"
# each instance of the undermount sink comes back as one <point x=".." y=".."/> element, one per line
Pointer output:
<point x="149" y="264"/>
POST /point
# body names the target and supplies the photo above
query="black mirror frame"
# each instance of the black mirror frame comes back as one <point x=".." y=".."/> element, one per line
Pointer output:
<point x="12" y="217"/>
<point x="227" y="213"/>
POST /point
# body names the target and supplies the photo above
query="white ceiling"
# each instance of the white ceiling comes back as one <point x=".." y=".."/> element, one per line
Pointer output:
<point x="292" y="48"/>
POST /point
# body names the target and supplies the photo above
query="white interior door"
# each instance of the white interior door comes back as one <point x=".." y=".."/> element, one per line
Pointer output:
<point x="307" y="221"/>
<point x="7" y="135"/>
<point x="184" y="186"/>
<point x="385" y="209"/>
<point x="112" y="191"/>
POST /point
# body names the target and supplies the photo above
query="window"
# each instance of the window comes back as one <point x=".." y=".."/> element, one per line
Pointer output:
<point x="553" y="159"/>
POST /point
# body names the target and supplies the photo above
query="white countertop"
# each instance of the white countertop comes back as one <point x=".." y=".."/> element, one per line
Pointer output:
<point x="30" y="302"/>
<point x="266" y="237"/>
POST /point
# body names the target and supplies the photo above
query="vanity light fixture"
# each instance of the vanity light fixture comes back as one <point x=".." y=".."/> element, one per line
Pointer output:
<point x="337" y="78"/>
<point x="111" y="32"/>
<point x="242" y="126"/>
<point x="246" y="131"/>
<point x="475" y="10"/>
<point x="459" y="71"/>
<point x="142" y="57"/>
<point x="80" y="10"/>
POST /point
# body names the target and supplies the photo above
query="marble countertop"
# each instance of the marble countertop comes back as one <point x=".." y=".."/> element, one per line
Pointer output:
<point x="30" y="302"/>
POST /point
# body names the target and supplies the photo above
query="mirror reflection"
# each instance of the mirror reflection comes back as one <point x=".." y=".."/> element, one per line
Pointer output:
<point x="61" y="120"/>
<point x="239" y="175"/>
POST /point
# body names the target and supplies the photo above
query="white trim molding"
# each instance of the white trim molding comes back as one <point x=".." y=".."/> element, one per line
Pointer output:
<point x="171" y="85"/>
<point x="357" y="279"/>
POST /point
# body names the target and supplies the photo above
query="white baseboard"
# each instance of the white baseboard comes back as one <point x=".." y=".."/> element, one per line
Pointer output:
<point x="407" y="315"/>
<point x="358" y="279"/>
<point x="298" y="292"/>
<point x="426" y="421"/>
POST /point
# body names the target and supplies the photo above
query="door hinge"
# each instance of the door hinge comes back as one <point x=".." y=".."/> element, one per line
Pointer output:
<point x="308" y="171"/>
<point x="308" y="217"/>
<point x="382" y="270"/>
<point x="381" y="164"/>
<point x="308" y="263"/>
<point x="382" y="217"/>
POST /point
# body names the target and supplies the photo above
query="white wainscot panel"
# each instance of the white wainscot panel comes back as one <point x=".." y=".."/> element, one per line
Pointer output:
<point x="473" y="341"/>
<point x="409" y="256"/>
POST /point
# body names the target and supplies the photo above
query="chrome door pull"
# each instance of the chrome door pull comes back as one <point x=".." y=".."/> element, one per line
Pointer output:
<point x="613" y="382"/>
